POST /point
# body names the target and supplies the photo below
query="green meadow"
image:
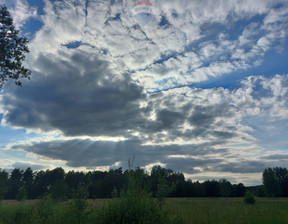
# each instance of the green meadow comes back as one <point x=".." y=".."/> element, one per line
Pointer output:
<point x="230" y="210"/>
<point x="183" y="210"/>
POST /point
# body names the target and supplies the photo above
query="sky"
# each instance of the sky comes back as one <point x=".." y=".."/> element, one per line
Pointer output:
<point x="200" y="89"/>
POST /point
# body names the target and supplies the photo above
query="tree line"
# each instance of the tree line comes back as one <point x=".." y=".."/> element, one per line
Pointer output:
<point x="29" y="184"/>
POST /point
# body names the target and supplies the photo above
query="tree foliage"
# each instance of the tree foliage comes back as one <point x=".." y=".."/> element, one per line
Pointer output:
<point x="161" y="183"/>
<point x="12" y="50"/>
<point x="239" y="190"/>
<point x="226" y="189"/>
<point x="249" y="198"/>
<point x="275" y="181"/>
<point x="3" y="183"/>
<point x="15" y="183"/>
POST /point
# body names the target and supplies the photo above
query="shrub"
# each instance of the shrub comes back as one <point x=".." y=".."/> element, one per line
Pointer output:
<point x="135" y="205"/>
<point x="77" y="210"/>
<point x="249" y="198"/>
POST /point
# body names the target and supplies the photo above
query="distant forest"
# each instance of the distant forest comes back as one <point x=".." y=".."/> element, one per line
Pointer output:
<point x="29" y="184"/>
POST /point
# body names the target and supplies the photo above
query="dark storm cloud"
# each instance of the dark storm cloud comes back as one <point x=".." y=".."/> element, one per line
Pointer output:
<point x="242" y="167"/>
<point x="78" y="94"/>
<point x="177" y="115"/>
<point x="78" y="97"/>
<point x="276" y="157"/>
<point x="167" y="119"/>
<point x="90" y="154"/>
<point x="223" y="134"/>
<point x="205" y="116"/>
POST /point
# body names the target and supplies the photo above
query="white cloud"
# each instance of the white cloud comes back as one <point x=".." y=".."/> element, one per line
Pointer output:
<point x="21" y="12"/>
<point x="95" y="96"/>
<point x="162" y="57"/>
<point x="205" y="128"/>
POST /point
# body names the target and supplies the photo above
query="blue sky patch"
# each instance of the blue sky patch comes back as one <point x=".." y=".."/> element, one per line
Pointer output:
<point x="73" y="45"/>
<point x="153" y="80"/>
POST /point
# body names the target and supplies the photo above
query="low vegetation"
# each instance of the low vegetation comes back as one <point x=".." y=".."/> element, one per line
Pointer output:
<point x="133" y="205"/>
<point x="249" y="198"/>
<point x="230" y="210"/>
<point x="180" y="210"/>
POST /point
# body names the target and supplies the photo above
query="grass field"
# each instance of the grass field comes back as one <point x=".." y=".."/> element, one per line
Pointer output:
<point x="230" y="210"/>
<point x="191" y="210"/>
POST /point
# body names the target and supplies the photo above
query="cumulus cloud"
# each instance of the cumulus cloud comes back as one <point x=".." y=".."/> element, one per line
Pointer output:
<point x="264" y="96"/>
<point x="190" y="130"/>
<point x="93" y="154"/>
<point x="193" y="44"/>
<point x="78" y="97"/>
<point x="112" y="89"/>
<point x="20" y="11"/>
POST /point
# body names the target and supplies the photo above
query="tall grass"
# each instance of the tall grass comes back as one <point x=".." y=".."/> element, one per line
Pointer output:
<point x="230" y="210"/>
<point x="134" y="205"/>
<point x="121" y="209"/>
<point x="42" y="211"/>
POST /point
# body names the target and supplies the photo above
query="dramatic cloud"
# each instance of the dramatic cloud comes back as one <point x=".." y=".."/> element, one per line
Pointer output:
<point x="77" y="97"/>
<point x="105" y="89"/>
<point x="190" y="130"/>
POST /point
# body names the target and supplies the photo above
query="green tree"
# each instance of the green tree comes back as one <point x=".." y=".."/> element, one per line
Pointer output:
<point x="40" y="184"/>
<point x="177" y="182"/>
<point x="97" y="188"/>
<point x="260" y="191"/>
<point x="12" y="50"/>
<point x="239" y="190"/>
<point x="58" y="187"/>
<point x="212" y="188"/>
<point x="163" y="190"/>
<point x="188" y="188"/>
<point x="282" y="178"/>
<point x="199" y="189"/>
<point x="3" y="183"/>
<point x="226" y="188"/>
<point x="15" y="183"/>
<point x="59" y="191"/>
<point x="272" y="182"/>
<point x="159" y="174"/>
<point x="56" y="175"/>
<point x="28" y="182"/>
<point x="73" y="179"/>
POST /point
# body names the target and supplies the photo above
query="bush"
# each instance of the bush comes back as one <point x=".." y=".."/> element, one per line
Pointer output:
<point x="249" y="198"/>
<point x="77" y="210"/>
<point x="135" y="205"/>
